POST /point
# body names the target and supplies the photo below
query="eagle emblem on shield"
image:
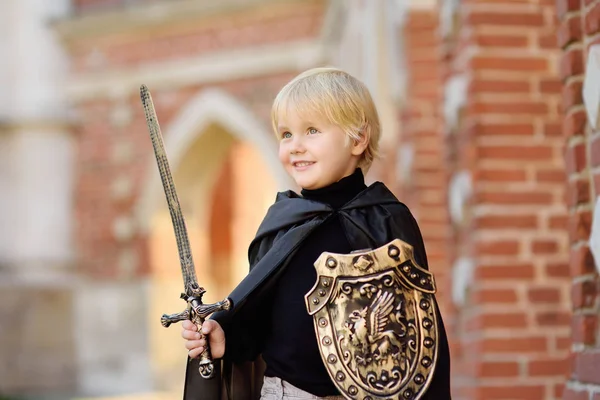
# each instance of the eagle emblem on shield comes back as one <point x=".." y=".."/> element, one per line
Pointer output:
<point x="376" y="322"/>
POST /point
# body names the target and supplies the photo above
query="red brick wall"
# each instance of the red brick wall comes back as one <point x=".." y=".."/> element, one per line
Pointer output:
<point x="512" y="333"/>
<point x="425" y="193"/>
<point x="99" y="140"/>
<point x="580" y="28"/>
<point x="200" y="36"/>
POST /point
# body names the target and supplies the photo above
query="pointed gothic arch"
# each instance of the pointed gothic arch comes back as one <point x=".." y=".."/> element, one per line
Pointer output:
<point x="211" y="106"/>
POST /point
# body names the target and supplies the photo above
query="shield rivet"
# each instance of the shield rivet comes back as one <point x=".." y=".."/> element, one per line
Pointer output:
<point x="428" y="342"/>
<point x="426" y="362"/>
<point x="315" y="301"/>
<point x="331" y="359"/>
<point x="406" y="268"/>
<point x="331" y="263"/>
<point x="427" y="323"/>
<point x="322" y="322"/>
<point x="393" y="252"/>
<point x="340" y="376"/>
<point x="326" y="340"/>
<point x="423" y="281"/>
<point x="424" y="304"/>
<point x="413" y="275"/>
<point x="408" y="394"/>
<point x="322" y="292"/>
<point x="419" y="379"/>
<point x="352" y="390"/>
<point x="325" y="282"/>
<point x="368" y="398"/>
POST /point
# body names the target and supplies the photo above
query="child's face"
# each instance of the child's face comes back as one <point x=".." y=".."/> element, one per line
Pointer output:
<point x="314" y="152"/>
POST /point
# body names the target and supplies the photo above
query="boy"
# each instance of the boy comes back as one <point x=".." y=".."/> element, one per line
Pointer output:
<point x="328" y="131"/>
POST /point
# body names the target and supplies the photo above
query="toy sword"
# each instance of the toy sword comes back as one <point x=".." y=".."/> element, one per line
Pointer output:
<point x="196" y="311"/>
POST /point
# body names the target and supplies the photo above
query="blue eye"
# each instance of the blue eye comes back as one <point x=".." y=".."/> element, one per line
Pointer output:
<point x="312" y="131"/>
<point x="286" y="135"/>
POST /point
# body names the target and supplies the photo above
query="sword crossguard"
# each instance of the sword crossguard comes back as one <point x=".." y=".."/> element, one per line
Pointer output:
<point x="197" y="312"/>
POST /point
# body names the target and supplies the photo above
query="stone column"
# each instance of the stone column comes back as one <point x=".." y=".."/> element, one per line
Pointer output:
<point x="35" y="203"/>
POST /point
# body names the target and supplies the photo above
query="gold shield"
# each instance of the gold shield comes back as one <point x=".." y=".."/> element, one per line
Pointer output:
<point x="376" y="322"/>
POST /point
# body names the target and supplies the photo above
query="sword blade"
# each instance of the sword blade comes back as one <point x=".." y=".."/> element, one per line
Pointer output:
<point x="183" y="244"/>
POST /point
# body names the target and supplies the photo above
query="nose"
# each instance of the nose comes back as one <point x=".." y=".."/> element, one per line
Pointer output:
<point x="297" y="145"/>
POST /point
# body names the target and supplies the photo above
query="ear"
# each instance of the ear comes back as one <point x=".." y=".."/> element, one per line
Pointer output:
<point x="360" y="146"/>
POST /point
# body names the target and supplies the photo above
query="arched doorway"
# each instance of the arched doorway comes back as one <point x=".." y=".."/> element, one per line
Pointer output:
<point x="225" y="181"/>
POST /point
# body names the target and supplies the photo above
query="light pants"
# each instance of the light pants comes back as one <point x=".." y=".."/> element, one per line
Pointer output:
<point x="276" y="389"/>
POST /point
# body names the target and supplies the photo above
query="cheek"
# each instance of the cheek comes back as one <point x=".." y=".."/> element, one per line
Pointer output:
<point x="283" y="155"/>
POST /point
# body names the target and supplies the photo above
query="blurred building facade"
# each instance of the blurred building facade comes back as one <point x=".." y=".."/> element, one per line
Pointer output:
<point x="490" y="118"/>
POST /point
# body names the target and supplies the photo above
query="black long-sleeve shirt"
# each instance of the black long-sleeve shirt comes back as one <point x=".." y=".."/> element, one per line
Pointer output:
<point x="291" y="352"/>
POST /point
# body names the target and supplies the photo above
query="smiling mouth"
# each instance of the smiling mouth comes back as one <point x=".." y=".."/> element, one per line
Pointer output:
<point x="302" y="164"/>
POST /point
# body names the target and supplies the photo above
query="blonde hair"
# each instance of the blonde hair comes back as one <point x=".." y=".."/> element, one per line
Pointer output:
<point x="339" y="98"/>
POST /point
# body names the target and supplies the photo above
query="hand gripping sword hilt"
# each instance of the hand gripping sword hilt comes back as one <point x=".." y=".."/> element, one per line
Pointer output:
<point x="197" y="312"/>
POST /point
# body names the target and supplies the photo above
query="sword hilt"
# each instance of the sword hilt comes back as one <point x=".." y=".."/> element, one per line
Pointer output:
<point x="197" y="312"/>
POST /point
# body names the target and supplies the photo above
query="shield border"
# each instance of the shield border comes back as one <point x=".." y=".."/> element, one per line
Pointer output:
<point x="395" y="257"/>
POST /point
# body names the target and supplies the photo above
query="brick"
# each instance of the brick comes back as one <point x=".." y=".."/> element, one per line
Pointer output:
<point x="506" y="222"/>
<point x="578" y="192"/>
<point x="513" y="19"/>
<point x="595" y="152"/>
<point x="509" y="271"/>
<point x="504" y="129"/>
<point x="572" y="394"/>
<point x="547" y="40"/>
<point x="514" y="198"/>
<point x="563" y="343"/>
<point x="582" y="261"/>
<point x="587" y="365"/>
<point x="571" y="63"/>
<point x="511" y="64"/>
<point x="572" y="95"/>
<point x="500" y="175"/>
<point x="497" y="247"/>
<point x="516" y="153"/>
<point x="499" y="369"/>
<point x="482" y="85"/>
<point x="551" y="176"/>
<point x="550" y="86"/>
<point x="579" y="226"/>
<point x="592" y="20"/>
<point x="544" y="246"/>
<point x="553" y="318"/>
<point x="513" y="392"/>
<point x="583" y="294"/>
<point x="493" y="296"/>
<point x="575" y="158"/>
<point x="584" y="328"/>
<point x="575" y="123"/>
<point x="558" y="270"/>
<point x="548" y="367"/>
<point x="530" y="108"/>
<point x="491" y="320"/>
<point x="566" y="6"/>
<point x="533" y="344"/>
<point x="543" y="295"/>
<point x="569" y="31"/>
<point x="500" y="40"/>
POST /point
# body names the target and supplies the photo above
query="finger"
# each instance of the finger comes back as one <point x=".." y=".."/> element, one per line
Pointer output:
<point x="190" y="335"/>
<point x="196" y="352"/>
<point x="194" y="344"/>
<point x="189" y="325"/>
<point x="208" y="326"/>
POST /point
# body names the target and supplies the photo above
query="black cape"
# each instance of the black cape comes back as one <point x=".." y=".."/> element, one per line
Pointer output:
<point x="372" y="219"/>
